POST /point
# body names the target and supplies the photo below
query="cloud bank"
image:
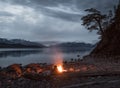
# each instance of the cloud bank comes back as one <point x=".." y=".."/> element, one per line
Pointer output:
<point x="48" y="20"/>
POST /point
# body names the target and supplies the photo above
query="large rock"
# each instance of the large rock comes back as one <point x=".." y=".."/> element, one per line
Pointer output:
<point x="14" y="70"/>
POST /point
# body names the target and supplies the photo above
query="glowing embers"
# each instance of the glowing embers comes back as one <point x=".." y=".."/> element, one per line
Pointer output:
<point x="60" y="68"/>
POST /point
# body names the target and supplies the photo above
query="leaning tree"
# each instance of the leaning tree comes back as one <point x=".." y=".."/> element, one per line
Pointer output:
<point x="109" y="28"/>
<point x="95" y="20"/>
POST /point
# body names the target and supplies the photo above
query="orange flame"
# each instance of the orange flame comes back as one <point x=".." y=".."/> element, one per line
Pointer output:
<point x="60" y="68"/>
<point x="58" y="59"/>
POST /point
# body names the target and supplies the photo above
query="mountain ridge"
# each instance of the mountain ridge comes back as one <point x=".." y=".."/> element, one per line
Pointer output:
<point x="19" y="43"/>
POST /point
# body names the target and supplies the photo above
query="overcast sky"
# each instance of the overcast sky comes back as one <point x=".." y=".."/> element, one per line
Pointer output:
<point x="48" y="20"/>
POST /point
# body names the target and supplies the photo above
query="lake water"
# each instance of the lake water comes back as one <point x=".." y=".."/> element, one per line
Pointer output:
<point x="46" y="55"/>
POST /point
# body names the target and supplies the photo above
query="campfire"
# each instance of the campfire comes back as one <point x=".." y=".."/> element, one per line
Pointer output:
<point x="58" y="60"/>
<point x="60" y="68"/>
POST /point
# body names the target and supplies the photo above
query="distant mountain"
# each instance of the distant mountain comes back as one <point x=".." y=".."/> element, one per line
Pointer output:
<point x="19" y="43"/>
<point x="77" y="46"/>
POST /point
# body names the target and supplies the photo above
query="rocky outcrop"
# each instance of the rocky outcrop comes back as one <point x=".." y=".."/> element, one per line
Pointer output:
<point x="14" y="70"/>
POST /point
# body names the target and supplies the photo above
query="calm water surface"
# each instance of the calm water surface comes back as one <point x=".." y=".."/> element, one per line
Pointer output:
<point x="26" y="56"/>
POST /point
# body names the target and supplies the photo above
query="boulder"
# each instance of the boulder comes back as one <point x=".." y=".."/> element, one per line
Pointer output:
<point x="14" y="69"/>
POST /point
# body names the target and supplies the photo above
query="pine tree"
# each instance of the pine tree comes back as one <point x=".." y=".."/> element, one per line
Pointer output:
<point x="117" y="15"/>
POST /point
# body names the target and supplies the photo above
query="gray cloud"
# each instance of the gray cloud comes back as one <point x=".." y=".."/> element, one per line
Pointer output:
<point x="48" y="20"/>
<point x="39" y="5"/>
<point x="3" y="13"/>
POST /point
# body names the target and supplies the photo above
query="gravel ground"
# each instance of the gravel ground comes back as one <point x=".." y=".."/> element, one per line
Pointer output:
<point x="89" y="76"/>
<point x="62" y="82"/>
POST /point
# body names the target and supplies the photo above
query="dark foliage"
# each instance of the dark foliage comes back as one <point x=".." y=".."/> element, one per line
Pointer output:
<point x="110" y="43"/>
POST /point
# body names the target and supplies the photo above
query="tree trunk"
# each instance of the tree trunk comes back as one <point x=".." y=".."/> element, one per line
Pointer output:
<point x="100" y="27"/>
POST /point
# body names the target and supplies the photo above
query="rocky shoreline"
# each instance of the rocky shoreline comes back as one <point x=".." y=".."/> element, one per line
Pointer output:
<point x="79" y="74"/>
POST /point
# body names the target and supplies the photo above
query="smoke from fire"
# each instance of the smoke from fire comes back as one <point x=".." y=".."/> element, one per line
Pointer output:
<point x="57" y="56"/>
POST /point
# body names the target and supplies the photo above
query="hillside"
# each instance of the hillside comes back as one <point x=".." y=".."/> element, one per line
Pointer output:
<point x="110" y="43"/>
<point x="18" y="43"/>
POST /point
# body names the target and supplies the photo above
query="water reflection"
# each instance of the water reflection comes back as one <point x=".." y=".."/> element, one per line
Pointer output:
<point x="26" y="56"/>
<point x="18" y="53"/>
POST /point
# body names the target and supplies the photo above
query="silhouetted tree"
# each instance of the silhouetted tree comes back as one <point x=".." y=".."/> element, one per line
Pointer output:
<point x="95" y="20"/>
<point x="109" y="46"/>
<point x="117" y="14"/>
